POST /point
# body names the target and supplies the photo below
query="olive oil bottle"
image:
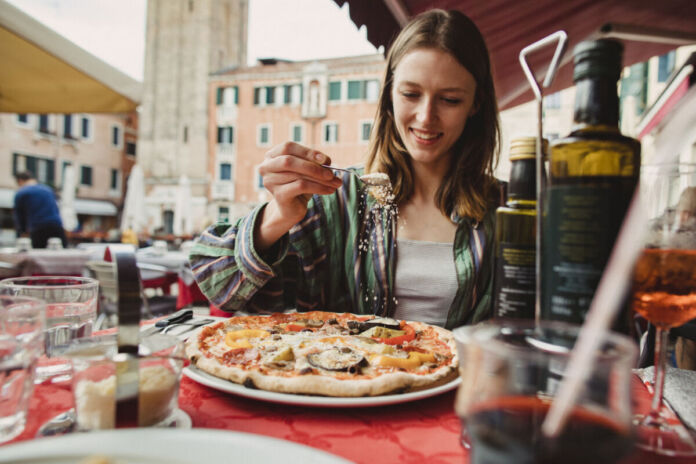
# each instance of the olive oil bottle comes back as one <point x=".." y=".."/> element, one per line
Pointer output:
<point x="593" y="173"/>
<point x="515" y="236"/>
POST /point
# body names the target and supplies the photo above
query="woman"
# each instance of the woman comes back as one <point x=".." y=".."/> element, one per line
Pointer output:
<point x="321" y="243"/>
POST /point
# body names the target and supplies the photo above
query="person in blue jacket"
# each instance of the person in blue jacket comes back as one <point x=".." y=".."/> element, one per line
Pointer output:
<point x="36" y="211"/>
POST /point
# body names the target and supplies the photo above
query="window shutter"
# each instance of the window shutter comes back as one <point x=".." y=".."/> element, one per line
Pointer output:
<point x="220" y="134"/>
<point x="218" y="98"/>
<point x="236" y="95"/>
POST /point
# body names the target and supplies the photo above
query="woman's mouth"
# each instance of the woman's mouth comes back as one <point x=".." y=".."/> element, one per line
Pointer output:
<point x="426" y="136"/>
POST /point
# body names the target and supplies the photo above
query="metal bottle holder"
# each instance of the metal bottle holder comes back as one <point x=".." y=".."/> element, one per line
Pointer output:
<point x="560" y="37"/>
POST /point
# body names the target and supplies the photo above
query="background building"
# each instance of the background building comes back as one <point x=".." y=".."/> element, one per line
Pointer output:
<point x="328" y="105"/>
<point x="185" y="42"/>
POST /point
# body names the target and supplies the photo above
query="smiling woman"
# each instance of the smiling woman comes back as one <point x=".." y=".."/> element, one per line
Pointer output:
<point x="323" y="243"/>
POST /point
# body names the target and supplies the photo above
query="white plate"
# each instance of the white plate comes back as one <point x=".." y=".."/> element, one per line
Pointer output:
<point x="211" y="381"/>
<point x="165" y="446"/>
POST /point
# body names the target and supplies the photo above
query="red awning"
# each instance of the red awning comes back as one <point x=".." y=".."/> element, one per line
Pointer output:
<point x="510" y="25"/>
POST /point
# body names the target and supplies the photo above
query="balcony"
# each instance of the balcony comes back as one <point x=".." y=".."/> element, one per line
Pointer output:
<point x="225" y="149"/>
<point x="223" y="190"/>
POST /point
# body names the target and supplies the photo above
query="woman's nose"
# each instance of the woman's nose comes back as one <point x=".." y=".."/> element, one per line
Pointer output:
<point x="426" y="110"/>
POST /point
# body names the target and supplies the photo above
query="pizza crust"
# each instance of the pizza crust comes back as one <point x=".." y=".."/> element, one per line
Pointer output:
<point x="323" y="383"/>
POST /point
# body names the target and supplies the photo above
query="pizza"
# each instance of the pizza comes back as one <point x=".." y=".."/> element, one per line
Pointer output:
<point x="323" y="353"/>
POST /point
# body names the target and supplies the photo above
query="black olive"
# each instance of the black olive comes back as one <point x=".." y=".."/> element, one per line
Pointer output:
<point x="249" y="383"/>
<point x="332" y="321"/>
<point x="345" y="349"/>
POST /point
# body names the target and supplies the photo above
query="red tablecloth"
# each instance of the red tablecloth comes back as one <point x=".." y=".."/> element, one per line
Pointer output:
<point x="415" y="432"/>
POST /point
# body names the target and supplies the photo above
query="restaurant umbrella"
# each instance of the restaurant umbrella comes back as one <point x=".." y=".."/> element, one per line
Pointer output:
<point x="67" y="199"/>
<point x="134" y="216"/>
<point x="43" y="72"/>
<point x="182" y="208"/>
<point x="509" y="25"/>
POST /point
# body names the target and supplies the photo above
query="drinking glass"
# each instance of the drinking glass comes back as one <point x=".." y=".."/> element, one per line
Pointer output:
<point x="664" y="288"/>
<point x="22" y="324"/>
<point x="71" y="308"/>
<point x="511" y="370"/>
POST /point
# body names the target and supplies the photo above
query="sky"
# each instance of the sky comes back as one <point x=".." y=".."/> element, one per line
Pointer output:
<point x="114" y="30"/>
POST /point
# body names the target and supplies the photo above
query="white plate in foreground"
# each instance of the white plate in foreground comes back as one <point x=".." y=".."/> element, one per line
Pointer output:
<point x="164" y="446"/>
<point x="217" y="383"/>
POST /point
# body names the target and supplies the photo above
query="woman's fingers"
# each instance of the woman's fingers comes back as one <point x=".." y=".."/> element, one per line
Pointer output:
<point x="293" y="157"/>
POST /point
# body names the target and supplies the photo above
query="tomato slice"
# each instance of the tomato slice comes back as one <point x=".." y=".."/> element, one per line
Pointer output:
<point x="295" y="327"/>
<point x="400" y="339"/>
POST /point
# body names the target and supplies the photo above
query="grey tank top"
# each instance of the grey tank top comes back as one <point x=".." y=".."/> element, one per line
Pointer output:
<point x="425" y="281"/>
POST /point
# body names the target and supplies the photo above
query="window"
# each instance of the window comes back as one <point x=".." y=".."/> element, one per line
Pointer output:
<point x="365" y="129"/>
<point x="86" y="175"/>
<point x="130" y="148"/>
<point x="223" y="214"/>
<point x="43" y="169"/>
<point x="168" y="221"/>
<point x="270" y="95"/>
<point x="334" y="91"/>
<point x="43" y="123"/>
<point x="665" y="66"/>
<point x="85" y="127"/>
<point x="264" y="135"/>
<point x="225" y="135"/>
<point x="372" y="90"/>
<point x="355" y="90"/>
<point x="330" y="132"/>
<point x="225" y="171"/>
<point x="23" y="119"/>
<point x="67" y="126"/>
<point x="115" y="136"/>
<point x="227" y="95"/>
<point x="114" y="179"/>
<point x="296" y="133"/>
<point x="257" y="95"/>
<point x="287" y="94"/>
<point x="552" y="101"/>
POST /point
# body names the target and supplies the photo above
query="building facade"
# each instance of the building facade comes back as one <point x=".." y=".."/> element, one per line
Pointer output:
<point x="328" y="105"/>
<point x="186" y="40"/>
<point x="94" y="144"/>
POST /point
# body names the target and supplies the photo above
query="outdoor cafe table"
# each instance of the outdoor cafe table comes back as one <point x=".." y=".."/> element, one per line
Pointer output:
<point x="423" y="431"/>
<point x="67" y="262"/>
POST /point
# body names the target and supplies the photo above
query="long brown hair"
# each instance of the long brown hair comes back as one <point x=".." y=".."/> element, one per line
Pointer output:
<point x="469" y="188"/>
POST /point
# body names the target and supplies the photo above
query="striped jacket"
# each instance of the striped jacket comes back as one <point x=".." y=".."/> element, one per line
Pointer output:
<point x="340" y="258"/>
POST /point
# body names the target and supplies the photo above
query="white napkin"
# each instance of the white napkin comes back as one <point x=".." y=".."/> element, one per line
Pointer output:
<point x="679" y="392"/>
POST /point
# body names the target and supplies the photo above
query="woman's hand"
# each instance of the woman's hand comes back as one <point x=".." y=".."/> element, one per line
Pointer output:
<point x="292" y="173"/>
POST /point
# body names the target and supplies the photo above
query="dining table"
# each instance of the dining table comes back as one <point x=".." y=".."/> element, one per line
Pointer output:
<point x="413" y="431"/>
<point x="64" y="261"/>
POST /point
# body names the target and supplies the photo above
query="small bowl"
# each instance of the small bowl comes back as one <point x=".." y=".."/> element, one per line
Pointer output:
<point x="95" y="362"/>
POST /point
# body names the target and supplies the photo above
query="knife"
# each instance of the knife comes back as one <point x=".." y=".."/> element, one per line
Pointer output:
<point x="178" y="317"/>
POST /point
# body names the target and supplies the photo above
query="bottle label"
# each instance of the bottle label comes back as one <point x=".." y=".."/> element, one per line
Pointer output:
<point x="514" y="281"/>
<point x="580" y="228"/>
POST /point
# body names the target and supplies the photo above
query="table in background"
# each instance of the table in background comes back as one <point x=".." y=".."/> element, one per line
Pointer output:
<point x="66" y="262"/>
<point x="414" y="432"/>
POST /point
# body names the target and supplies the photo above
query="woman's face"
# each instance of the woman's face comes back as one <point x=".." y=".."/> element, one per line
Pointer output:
<point x="433" y="95"/>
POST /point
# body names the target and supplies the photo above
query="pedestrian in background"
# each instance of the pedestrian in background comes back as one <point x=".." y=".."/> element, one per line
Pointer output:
<point x="36" y="211"/>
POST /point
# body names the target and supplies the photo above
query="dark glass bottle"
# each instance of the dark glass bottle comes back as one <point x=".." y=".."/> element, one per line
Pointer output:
<point x="515" y="236"/>
<point x="593" y="173"/>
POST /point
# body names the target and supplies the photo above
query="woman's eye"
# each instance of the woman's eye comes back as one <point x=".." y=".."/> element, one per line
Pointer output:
<point x="409" y="94"/>
<point x="452" y="101"/>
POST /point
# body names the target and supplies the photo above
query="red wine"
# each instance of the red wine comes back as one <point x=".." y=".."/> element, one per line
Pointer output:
<point x="664" y="286"/>
<point x="508" y="430"/>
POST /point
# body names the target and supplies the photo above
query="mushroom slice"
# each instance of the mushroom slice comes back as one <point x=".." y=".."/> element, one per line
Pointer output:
<point x="337" y="359"/>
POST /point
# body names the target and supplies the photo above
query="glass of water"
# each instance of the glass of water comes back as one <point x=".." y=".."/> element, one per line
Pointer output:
<point x="71" y="308"/>
<point x="22" y="324"/>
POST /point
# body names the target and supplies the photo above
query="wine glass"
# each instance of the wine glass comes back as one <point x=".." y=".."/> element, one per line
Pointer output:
<point x="511" y="371"/>
<point x="664" y="288"/>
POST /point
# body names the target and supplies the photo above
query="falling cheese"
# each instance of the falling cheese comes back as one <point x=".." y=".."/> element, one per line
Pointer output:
<point x="414" y="360"/>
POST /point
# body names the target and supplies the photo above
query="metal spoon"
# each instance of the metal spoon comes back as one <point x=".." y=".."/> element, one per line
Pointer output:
<point x="373" y="180"/>
<point x="60" y="424"/>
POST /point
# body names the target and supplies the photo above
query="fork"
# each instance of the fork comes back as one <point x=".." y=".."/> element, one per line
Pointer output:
<point x="194" y="324"/>
<point x="367" y="179"/>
